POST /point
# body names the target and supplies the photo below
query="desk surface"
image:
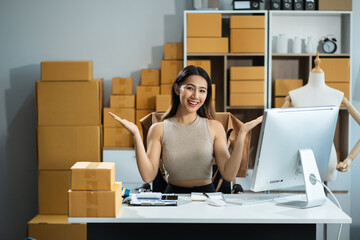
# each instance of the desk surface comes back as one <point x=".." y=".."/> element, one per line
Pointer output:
<point x="200" y="212"/>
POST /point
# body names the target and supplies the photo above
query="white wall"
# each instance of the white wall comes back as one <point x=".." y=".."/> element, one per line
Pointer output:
<point x="120" y="36"/>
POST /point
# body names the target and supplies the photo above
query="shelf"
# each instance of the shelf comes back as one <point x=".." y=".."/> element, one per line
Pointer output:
<point x="307" y="13"/>
<point x="225" y="54"/>
<point x="310" y="55"/>
<point x="243" y="108"/>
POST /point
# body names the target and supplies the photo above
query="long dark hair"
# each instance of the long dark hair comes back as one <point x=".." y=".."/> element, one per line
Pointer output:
<point x="206" y="110"/>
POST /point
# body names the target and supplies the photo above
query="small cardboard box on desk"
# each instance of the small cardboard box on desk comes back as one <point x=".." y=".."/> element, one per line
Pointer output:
<point x="94" y="192"/>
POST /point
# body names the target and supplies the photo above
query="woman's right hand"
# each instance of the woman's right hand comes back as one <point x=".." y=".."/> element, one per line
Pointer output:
<point x="131" y="127"/>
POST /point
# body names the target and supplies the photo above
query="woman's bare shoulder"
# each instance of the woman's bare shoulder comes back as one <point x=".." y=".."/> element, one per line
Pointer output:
<point x="215" y="126"/>
<point x="157" y="129"/>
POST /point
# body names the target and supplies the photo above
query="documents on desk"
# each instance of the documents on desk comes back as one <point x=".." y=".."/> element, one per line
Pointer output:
<point x="213" y="199"/>
<point x="153" y="199"/>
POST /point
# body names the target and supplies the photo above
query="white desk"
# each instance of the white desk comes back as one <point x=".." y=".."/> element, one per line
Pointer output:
<point x="265" y="215"/>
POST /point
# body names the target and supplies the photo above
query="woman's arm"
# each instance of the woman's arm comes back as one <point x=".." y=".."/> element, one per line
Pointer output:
<point x="147" y="162"/>
<point x="229" y="165"/>
<point x="345" y="165"/>
<point x="287" y="102"/>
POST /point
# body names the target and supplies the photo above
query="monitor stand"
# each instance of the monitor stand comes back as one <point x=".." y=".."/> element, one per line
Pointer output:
<point x="314" y="190"/>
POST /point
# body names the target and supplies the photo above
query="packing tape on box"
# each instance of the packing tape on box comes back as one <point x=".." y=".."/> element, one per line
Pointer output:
<point x="91" y="198"/>
<point x="91" y="184"/>
<point x="90" y="171"/>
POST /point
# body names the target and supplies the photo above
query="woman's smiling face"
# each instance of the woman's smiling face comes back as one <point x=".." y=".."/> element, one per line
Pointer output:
<point x="193" y="93"/>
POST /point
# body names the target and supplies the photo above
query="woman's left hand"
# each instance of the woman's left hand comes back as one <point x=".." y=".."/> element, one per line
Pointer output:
<point x="246" y="127"/>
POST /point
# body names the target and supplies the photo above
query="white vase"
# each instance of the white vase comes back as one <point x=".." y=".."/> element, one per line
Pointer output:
<point x="309" y="45"/>
<point x="282" y="44"/>
<point x="296" y="45"/>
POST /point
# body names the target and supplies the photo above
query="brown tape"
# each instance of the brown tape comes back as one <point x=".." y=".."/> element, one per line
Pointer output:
<point x="91" y="198"/>
<point x="90" y="173"/>
<point x="91" y="184"/>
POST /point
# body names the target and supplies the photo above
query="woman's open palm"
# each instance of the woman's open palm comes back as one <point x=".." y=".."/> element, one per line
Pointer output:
<point x="131" y="127"/>
<point x="246" y="127"/>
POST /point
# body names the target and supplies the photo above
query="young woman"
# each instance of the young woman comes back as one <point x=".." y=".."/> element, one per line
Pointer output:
<point x="188" y="138"/>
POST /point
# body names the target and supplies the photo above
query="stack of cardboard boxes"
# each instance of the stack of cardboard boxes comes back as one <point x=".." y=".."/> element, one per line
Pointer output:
<point x="170" y="68"/>
<point x="94" y="192"/>
<point x="337" y="73"/>
<point x="122" y="104"/>
<point x="145" y="94"/>
<point x="247" y="34"/>
<point x="247" y="86"/>
<point x="282" y="88"/>
<point x="69" y="105"/>
<point x="204" y="34"/>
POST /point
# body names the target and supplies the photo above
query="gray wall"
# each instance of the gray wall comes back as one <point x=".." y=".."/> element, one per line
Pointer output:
<point x="121" y="37"/>
<point x="354" y="126"/>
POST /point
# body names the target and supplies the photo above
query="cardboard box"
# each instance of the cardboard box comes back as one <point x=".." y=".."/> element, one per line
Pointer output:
<point x="55" y="227"/>
<point x="204" y="25"/>
<point x="66" y="71"/>
<point x="247" y="86"/>
<point x="207" y="45"/>
<point x="335" y="5"/>
<point x="52" y="191"/>
<point x="284" y="86"/>
<point x="279" y="101"/>
<point x="60" y="147"/>
<point x="204" y="64"/>
<point x="95" y="203"/>
<point x="247" y="40"/>
<point x="246" y="99"/>
<point x="169" y="70"/>
<point x="150" y="77"/>
<point x="247" y="21"/>
<point x="122" y="86"/>
<point x="145" y="97"/>
<point x="165" y="89"/>
<point x="213" y="90"/>
<point x="139" y="115"/>
<point x="126" y="113"/>
<point x="344" y="87"/>
<point x="93" y="176"/>
<point x="117" y="137"/>
<point x="162" y="102"/>
<point x="336" y="69"/>
<point x="247" y="73"/>
<point x="69" y="103"/>
<point x="173" y="51"/>
<point x="122" y="101"/>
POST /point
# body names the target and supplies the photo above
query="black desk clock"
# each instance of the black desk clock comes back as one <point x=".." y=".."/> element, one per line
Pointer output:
<point x="329" y="45"/>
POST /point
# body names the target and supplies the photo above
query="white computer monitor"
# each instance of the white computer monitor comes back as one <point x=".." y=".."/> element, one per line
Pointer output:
<point x="288" y="136"/>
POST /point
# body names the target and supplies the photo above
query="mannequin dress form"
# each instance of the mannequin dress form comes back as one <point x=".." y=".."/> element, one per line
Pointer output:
<point x="317" y="93"/>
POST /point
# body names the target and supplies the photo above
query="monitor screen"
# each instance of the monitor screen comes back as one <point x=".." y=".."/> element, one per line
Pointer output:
<point x="285" y="131"/>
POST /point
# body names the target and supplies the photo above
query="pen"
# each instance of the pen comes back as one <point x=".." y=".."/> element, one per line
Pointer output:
<point x="206" y="195"/>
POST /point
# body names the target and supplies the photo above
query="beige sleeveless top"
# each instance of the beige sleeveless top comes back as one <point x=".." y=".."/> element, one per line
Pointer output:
<point x="187" y="150"/>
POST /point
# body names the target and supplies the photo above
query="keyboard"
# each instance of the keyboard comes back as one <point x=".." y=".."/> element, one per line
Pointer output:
<point x="251" y="198"/>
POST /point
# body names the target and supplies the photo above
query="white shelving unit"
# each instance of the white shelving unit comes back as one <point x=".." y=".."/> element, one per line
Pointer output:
<point x="228" y="59"/>
<point x="316" y="24"/>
